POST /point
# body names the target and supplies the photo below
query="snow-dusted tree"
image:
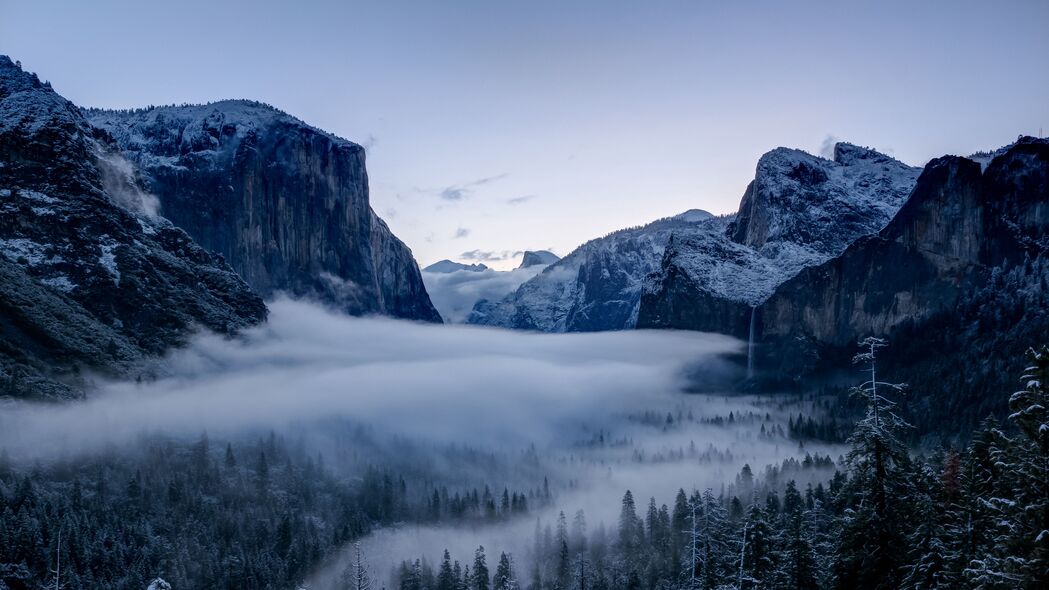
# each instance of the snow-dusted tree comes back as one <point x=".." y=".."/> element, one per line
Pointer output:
<point x="796" y="567"/>
<point x="630" y="533"/>
<point x="989" y="488"/>
<point x="504" y="574"/>
<point x="755" y="565"/>
<point x="871" y="548"/>
<point x="445" y="575"/>
<point x="715" y="554"/>
<point x="1028" y="538"/>
<point x="929" y="549"/>
<point x="481" y="580"/>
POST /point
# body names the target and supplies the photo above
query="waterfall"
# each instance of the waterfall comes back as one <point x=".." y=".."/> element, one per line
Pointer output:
<point x="750" y="343"/>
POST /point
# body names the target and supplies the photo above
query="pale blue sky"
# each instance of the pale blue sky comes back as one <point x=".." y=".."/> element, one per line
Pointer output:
<point x="503" y="126"/>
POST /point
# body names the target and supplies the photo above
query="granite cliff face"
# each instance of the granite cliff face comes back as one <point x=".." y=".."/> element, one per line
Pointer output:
<point x="286" y="204"/>
<point x="90" y="280"/>
<point x="960" y="229"/>
<point x="799" y="211"/>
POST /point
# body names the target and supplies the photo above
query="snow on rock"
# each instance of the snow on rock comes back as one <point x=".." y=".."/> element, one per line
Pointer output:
<point x="285" y="203"/>
<point x="108" y="260"/>
<point x="595" y="287"/>
<point x="799" y="211"/>
<point x="89" y="286"/>
<point x="158" y="584"/>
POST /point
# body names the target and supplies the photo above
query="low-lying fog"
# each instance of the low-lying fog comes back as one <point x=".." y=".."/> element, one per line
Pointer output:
<point x="455" y="293"/>
<point x="603" y="413"/>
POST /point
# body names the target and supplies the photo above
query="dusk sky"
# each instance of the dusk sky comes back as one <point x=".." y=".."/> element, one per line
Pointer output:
<point x="494" y="127"/>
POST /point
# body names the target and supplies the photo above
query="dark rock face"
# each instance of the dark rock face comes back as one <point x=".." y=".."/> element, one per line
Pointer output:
<point x="286" y="204"/>
<point x="89" y="279"/>
<point x="960" y="228"/>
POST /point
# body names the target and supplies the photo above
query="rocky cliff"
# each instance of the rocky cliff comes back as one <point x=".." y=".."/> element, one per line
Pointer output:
<point x="958" y="282"/>
<point x="961" y="227"/>
<point x="91" y="281"/>
<point x="800" y="210"/>
<point x="285" y="203"/>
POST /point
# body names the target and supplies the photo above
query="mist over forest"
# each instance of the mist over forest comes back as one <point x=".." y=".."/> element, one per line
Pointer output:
<point x="524" y="296"/>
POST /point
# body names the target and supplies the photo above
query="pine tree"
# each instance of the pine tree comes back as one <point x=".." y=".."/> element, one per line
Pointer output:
<point x="798" y="569"/>
<point x="445" y="576"/>
<point x="629" y="526"/>
<point x="871" y="547"/>
<point x="504" y="574"/>
<point x="714" y="550"/>
<point x="755" y="564"/>
<point x="1028" y="541"/>
<point x="481" y="579"/>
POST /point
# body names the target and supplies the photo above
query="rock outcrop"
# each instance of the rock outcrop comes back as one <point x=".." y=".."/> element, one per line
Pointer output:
<point x="285" y="203"/>
<point x="538" y="258"/>
<point x="799" y="211"/>
<point x="90" y="280"/>
<point x="959" y="228"/>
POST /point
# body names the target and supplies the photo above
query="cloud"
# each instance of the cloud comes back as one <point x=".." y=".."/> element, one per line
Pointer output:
<point x="827" y="147"/>
<point x="520" y="200"/>
<point x="458" y="192"/>
<point x="462" y="232"/>
<point x="454" y="294"/>
<point x="490" y="255"/>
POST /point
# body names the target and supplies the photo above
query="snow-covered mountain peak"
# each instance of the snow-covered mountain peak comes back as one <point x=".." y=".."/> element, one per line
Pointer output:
<point x="799" y="210"/>
<point x="177" y="130"/>
<point x="798" y="197"/>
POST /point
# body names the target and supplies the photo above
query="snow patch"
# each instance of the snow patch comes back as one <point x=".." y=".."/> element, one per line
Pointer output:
<point x="60" y="282"/>
<point x="16" y="249"/>
<point x="108" y="260"/>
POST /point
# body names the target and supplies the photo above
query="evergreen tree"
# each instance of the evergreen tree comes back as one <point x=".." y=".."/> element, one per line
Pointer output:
<point x="755" y="564"/>
<point x="504" y="575"/>
<point x="871" y="549"/>
<point x="481" y="578"/>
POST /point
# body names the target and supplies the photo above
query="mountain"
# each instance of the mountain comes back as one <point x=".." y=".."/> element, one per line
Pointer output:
<point x="957" y="282"/>
<point x="800" y="210"/>
<point x="447" y="266"/>
<point x="538" y="258"/>
<point x="91" y="280"/>
<point x="285" y="203"/>
<point x="697" y="271"/>
<point x="595" y="287"/>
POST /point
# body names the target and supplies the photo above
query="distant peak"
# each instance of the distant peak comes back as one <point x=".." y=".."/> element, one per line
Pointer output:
<point x="448" y="266"/>
<point x="538" y="257"/>
<point x="694" y="215"/>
